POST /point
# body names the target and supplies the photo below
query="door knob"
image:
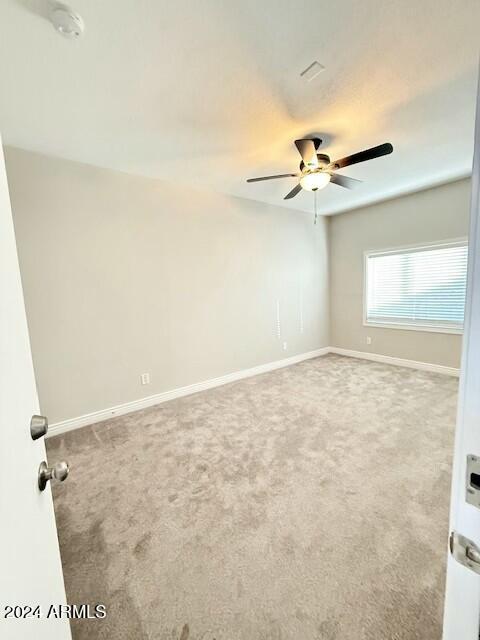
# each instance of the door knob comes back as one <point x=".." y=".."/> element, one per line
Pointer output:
<point x="59" y="472"/>
<point x="38" y="427"/>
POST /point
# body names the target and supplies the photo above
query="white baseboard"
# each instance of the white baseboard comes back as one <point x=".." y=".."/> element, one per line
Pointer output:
<point x="399" y="362"/>
<point x="158" y="398"/>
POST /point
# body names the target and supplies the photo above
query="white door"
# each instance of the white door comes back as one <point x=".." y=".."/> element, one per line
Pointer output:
<point x="462" y="600"/>
<point x="30" y="569"/>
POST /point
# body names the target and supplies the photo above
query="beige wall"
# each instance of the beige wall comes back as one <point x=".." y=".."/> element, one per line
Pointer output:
<point x="440" y="213"/>
<point x="124" y="275"/>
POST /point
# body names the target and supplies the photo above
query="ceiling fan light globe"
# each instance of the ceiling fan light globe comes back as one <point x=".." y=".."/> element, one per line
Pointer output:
<point x="314" y="181"/>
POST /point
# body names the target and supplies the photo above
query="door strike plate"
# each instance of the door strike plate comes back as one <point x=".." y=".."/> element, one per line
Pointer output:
<point x="472" y="495"/>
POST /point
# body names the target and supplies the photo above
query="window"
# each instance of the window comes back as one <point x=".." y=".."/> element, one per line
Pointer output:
<point x="418" y="288"/>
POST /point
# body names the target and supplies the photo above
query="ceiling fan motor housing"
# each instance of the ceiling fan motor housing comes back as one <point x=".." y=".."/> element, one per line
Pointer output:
<point x="323" y="161"/>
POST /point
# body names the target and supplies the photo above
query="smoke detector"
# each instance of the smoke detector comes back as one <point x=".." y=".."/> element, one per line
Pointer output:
<point x="66" y="21"/>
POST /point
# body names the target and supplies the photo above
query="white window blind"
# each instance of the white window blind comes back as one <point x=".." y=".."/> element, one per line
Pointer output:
<point x="417" y="288"/>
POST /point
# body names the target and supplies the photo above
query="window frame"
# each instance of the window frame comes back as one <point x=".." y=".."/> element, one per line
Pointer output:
<point x="408" y="326"/>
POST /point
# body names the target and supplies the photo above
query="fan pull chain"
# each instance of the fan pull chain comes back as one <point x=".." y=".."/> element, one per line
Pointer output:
<point x="315" y="206"/>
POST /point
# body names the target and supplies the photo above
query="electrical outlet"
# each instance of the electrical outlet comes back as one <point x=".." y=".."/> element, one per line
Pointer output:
<point x="145" y="378"/>
<point x="369" y="340"/>
<point x="284" y="346"/>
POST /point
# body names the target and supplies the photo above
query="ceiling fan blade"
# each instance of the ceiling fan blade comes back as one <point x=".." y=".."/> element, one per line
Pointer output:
<point x="344" y="181"/>
<point x="282" y="175"/>
<point x="308" y="151"/>
<point x="362" y="156"/>
<point x="293" y="192"/>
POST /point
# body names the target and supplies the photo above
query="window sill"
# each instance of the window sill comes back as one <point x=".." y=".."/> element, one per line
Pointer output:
<point x="413" y="327"/>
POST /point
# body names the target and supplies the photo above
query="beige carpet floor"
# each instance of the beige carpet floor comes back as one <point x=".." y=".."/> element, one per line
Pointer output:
<point x="310" y="503"/>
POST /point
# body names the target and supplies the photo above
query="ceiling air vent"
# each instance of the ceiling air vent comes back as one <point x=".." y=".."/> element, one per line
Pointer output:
<point x="312" y="71"/>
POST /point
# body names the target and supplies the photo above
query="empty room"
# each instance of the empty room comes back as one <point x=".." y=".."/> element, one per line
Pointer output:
<point x="240" y="320"/>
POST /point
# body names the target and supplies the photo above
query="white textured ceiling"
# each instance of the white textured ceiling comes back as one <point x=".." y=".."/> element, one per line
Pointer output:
<point x="208" y="93"/>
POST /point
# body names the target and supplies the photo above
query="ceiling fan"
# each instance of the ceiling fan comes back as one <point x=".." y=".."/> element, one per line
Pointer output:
<point x="317" y="170"/>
